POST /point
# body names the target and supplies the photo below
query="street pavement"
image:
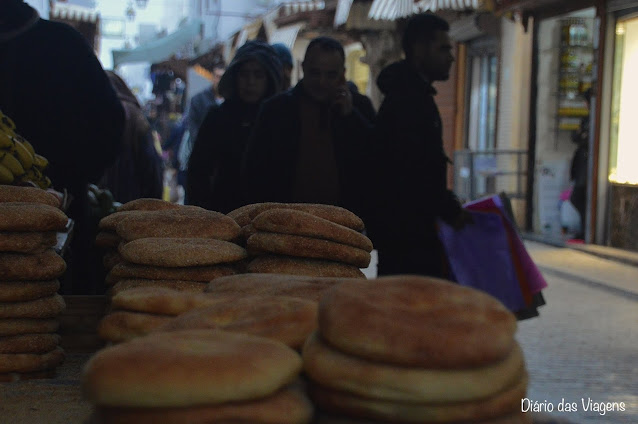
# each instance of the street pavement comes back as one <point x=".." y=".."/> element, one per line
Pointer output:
<point x="584" y="345"/>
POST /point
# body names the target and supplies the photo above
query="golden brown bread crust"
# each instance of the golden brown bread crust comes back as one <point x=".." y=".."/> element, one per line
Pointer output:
<point x="311" y="288"/>
<point x="10" y="193"/>
<point x="183" y="222"/>
<point x="111" y="258"/>
<point x="245" y="214"/>
<point x="45" y="307"/>
<point x="109" y="222"/>
<point x="290" y="221"/>
<point x="21" y="291"/>
<point x="47" y="265"/>
<point x="126" y="271"/>
<point x="121" y="326"/>
<point x="107" y="239"/>
<point x="287" y="406"/>
<point x="336" y="370"/>
<point x="179" y="285"/>
<point x="416" y="321"/>
<point x="28" y="362"/>
<point x="286" y="319"/>
<point x="14" y="326"/>
<point x="21" y="216"/>
<point x="307" y="247"/>
<point x="29" y="343"/>
<point x="27" y="241"/>
<point x="503" y="403"/>
<point x="181" y="252"/>
<point x="160" y="300"/>
<point x="198" y="367"/>
<point x="147" y="204"/>
<point x="274" y="264"/>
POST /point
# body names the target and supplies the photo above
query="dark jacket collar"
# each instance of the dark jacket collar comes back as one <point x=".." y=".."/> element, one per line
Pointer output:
<point x="28" y="17"/>
<point x="401" y="77"/>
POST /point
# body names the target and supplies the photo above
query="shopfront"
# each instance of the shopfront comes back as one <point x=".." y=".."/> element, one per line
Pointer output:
<point x="618" y="168"/>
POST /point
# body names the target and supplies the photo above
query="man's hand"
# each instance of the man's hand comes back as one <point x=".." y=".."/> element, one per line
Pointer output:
<point x="343" y="101"/>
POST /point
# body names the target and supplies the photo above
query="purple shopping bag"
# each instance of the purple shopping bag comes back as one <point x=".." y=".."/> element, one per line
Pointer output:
<point x="533" y="279"/>
<point x="479" y="256"/>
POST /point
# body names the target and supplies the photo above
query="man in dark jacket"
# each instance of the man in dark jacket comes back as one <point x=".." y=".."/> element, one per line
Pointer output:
<point x="56" y="92"/>
<point x="412" y="165"/>
<point x="309" y="143"/>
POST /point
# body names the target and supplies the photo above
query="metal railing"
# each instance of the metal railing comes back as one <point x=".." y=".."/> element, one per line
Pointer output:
<point x="487" y="172"/>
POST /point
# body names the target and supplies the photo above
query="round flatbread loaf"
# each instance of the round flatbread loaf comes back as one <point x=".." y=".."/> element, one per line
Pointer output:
<point x="418" y="322"/>
<point x="121" y="326"/>
<point x="198" y="367"/>
<point x="181" y="252"/>
<point x="21" y="291"/>
<point x="311" y="288"/>
<point x="29" y="343"/>
<point x="160" y="300"/>
<point x="109" y="222"/>
<point x="335" y="370"/>
<point x="178" y="223"/>
<point x="179" y="285"/>
<point x="127" y="271"/>
<point x="107" y="239"/>
<point x="15" y="326"/>
<point x="10" y="193"/>
<point x="47" y="265"/>
<point x="147" y="204"/>
<point x="307" y="247"/>
<point x="11" y="377"/>
<point x="245" y="214"/>
<point x="20" y="216"/>
<point x="504" y="403"/>
<point x="274" y="264"/>
<point x="287" y="406"/>
<point x="27" y="241"/>
<point x="286" y="319"/>
<point x="28" y="362"/>
<point x="290" y="221"/>
<point x="45" y="307"/>
<point x="111" y="258"/>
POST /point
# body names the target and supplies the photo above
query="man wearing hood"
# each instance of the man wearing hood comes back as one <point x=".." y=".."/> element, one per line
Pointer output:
<point x="55" y="90"/>
<point x="214" y="166"/>
<point x="309" y="142"/>
<point x="412" y="166"/>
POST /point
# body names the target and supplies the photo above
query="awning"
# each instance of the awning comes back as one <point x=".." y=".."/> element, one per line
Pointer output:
<point x="342" y="12"/>
<point x="72" y="12"/>
<point x="249" y="32"/>
<point x="286" y="35"/>
<point x="395" y="9"/>
<point x="160" y="49"/>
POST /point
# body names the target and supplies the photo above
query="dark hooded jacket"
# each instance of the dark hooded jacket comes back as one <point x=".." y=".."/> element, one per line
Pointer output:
<point x="270" y="161"/>
<point x="411" y="168"/>
<point x="215" y="162"/>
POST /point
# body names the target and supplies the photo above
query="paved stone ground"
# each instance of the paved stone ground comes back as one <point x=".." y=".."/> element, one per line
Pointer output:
<point x="585" y="343"/>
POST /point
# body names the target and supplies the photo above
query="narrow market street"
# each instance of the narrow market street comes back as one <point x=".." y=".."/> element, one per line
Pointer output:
<point x="584" y="344"/>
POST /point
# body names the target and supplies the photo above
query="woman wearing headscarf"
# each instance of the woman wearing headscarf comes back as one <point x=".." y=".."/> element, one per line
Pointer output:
<point x="214" y="166"/>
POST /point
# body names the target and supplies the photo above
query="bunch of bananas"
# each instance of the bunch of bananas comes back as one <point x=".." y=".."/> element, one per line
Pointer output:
<point x="19" y="163"/>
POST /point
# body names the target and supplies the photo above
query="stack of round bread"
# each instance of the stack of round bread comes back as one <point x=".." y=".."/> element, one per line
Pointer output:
<point x="178" y="247"/>
<point x="303" y="239"/>
<point x="196" y="377"/>
<point x="29" y="269"/>
<point x="408" y="349"/>
<point x="107" y="237"/>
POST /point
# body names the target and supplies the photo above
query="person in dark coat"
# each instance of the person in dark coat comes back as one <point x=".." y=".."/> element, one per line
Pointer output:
<point x="310" y="143"/>
<point x="579" y="172"/>
<point x="362" y="103"/>
<point x="213" y="176"/>
<point x="138" y="170"/>
<point x="411" y="170"/>
<point x="55" y="90"/>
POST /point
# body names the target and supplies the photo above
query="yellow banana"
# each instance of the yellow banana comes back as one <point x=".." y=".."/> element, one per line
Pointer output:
<point x="12" y="164"/>
<point x="23" y="155"/>
<point x="24" y="141"/>
<point x="6" y="177"/>
<point x="6" y="141"/>
<point x="40" y="162"/>
<point x="6" y="122"/>
<point x="44" y="182"/>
